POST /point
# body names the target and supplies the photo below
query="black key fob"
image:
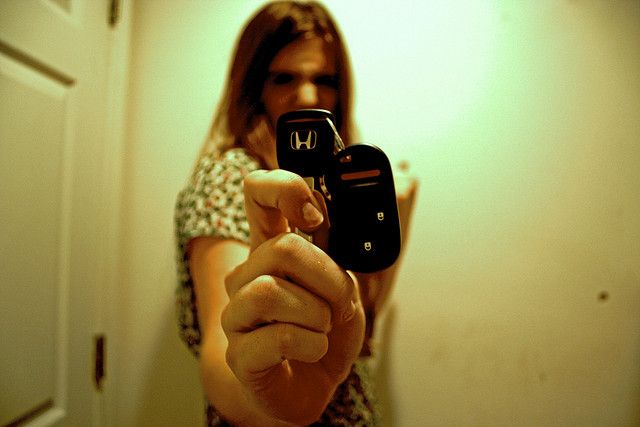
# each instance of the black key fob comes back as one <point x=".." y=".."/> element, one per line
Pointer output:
<point x="305" y="142"/>
<point x="365" y="228"/>
<point x="357" y="183"/>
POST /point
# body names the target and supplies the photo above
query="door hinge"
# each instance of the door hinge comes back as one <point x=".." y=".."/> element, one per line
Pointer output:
<point x="114" y="12"/>
<point x="99" y="351"/>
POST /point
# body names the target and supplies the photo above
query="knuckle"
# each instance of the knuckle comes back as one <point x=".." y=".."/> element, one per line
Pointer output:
<point x="231" y="280"/>
<point x="253" y="183"/>
<point x="225" y="320"/>
<point x="290" y="182"/>
<point x="231" y="357"/>
<point x="263" y="295"/>
<point x="346" y="288"/>
<point x="324" y="319"/>
<point x="288" y="247"/>
<point x="253" y="178"/>
<point x="249" y="183"/>
<point x="228" y="283"/>
<point x="256" y="300"/>
<point x="285" y="338"/>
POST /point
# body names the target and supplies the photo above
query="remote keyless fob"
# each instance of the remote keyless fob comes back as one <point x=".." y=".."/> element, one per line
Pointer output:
<point x="365" y="228"/>
<point x="357" y="183"/>
<point x="305" y="142"/>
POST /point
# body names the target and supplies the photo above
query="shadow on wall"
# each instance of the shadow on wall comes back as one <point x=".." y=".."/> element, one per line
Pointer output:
<point x="172" y="395"/>
<point x="381" y="371"/>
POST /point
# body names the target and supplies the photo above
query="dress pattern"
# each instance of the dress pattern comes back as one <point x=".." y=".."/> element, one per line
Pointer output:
<point x="212" y="204"/>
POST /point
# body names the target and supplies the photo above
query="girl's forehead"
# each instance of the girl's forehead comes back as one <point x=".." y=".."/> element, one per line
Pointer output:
<point x="304" y="55"/>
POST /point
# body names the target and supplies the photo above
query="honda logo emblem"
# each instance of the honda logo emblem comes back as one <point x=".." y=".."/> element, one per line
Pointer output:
<point x="303" y="139"/>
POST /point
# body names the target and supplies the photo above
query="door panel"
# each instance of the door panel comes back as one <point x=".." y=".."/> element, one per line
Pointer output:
<point x="52" y="84"/>
<point x="32" y="192"/>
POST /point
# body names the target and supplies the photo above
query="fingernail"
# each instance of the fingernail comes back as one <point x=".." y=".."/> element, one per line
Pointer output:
<point x="311" y="215"/>
<point x="351" y="311"/>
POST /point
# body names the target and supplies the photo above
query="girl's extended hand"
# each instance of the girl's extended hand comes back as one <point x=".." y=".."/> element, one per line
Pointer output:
<point x="294" y="322"/>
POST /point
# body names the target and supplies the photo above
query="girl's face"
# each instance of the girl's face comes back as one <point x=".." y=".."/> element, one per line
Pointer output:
<point x="302" y="75"/>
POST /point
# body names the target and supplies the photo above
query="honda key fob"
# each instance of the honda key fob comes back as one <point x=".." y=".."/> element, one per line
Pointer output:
<point x="365" y="228"/>
<point x="305" y="143"/>
<point x="357" y="184"/>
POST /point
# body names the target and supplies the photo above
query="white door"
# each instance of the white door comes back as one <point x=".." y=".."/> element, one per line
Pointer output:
<point x="53" y="56"/>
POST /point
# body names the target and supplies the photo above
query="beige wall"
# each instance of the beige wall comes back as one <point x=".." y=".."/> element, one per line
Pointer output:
<point x="519" y="299"/>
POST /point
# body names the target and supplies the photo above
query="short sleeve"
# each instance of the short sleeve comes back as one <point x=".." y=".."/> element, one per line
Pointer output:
<point x="211" y="204"/>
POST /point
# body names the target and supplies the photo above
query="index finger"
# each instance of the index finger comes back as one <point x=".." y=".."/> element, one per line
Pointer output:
<point x="275" y="198"/>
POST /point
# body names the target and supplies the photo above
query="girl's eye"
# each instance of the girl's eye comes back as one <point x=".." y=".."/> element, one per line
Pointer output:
<point x="281" y="78"/>
<point x="328" y="80"/>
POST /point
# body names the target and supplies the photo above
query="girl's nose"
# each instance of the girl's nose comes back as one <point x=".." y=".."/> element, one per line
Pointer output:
<point x="307" y="95"/>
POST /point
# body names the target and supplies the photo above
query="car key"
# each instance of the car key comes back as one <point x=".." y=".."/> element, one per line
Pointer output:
<point x="357" y="183"/>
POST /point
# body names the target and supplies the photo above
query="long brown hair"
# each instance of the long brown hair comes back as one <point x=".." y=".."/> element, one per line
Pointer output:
<point x="272" y="28"/>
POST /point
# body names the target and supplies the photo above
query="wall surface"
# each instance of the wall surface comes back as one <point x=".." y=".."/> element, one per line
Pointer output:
<point x="519" y="298"/>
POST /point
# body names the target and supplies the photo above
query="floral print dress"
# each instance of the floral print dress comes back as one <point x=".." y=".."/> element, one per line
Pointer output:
<point x="212" y="204"/>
